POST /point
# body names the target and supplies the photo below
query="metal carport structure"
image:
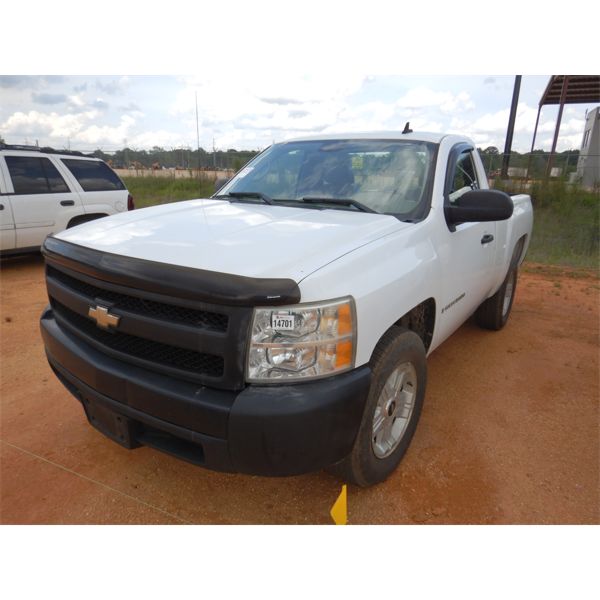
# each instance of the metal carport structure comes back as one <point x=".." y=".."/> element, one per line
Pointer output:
<point x="561" y="90"/>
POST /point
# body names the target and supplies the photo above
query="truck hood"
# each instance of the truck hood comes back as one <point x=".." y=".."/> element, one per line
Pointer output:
<point x="243" y="239"/>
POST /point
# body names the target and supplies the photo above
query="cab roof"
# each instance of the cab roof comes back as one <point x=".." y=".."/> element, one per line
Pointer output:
<point x="419" y="136"/>
<point x="24" y="149"/>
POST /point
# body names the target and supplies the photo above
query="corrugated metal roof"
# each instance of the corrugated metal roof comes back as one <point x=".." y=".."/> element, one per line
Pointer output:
<point x="581" y="89"/>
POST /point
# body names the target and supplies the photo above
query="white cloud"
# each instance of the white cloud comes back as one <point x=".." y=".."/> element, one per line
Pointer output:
<point x="115" y="86"/>
<point x="282" y="107"/>
<point x="490" y="129"/>
<point x="76" y="100"/>
<point x="37" y="124"/>
<point x="422" y="97"/>
<point x="105" y="134"/>
<point x="262" y="105"/>
<point x="266" y="103"/>
<point x="53" y="128"/>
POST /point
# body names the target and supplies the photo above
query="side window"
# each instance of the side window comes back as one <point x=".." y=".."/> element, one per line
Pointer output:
<point x="94" y="175"/>
<point x="34" y="175"/>
<point x="464" y="178"/>
<point x="55" y="180"/>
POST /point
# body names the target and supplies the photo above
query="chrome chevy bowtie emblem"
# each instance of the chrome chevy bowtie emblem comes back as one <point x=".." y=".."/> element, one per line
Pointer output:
<point x="103" y="318"/>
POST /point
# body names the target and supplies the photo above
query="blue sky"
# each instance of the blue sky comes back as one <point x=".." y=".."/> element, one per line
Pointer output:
<point x="252" y="110"/>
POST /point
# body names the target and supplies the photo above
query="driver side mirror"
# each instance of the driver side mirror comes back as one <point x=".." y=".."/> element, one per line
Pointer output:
<point x="479" y="206"/>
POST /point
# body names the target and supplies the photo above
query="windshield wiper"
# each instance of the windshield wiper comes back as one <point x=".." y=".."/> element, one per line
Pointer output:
<point x="339" y="201"/>
<point x="239" y="195"/>
<point x="307" y="199"/>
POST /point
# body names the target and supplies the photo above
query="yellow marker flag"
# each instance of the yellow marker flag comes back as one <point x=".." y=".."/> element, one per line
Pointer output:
<point x="339" y="511"/>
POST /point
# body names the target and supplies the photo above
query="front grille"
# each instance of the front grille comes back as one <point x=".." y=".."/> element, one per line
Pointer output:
<point x="182" y="337"/>
<point x="196" y="363"/>
<point x="211" y="321"/>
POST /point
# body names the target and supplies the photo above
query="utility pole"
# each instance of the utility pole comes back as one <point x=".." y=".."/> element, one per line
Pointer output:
<point x="214" y="156"/>
<point x="511" y="127"/>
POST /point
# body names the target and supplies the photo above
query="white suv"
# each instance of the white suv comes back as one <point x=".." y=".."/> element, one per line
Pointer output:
<point x="44" y="191"/>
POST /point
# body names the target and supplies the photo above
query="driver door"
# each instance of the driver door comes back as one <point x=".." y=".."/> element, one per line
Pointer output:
<point x="469" y="258"/>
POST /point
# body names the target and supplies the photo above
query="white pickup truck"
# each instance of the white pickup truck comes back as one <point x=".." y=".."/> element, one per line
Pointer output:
<point x="282" y="326"/>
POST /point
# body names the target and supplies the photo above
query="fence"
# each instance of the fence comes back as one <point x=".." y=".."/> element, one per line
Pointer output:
<point x="205" y="175"/>
<point x="570" y="166"/>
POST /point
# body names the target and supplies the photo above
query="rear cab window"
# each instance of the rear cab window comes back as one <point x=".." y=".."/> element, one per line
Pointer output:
<point x="94" y="175"/>
<point x="34" y="175"/>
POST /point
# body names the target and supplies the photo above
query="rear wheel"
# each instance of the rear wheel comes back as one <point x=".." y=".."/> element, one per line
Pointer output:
<point x="392" y="411"/>
<point x="494" y="312"/>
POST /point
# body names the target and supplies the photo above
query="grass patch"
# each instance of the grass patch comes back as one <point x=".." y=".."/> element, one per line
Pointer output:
<point x="566" y="236"/>
<point x="149" y="191"/>
<point x="566" y="224"/>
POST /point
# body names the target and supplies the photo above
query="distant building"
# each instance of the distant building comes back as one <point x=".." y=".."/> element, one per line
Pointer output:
<point x="588" y="165"/>
<point x="517" y="172"/>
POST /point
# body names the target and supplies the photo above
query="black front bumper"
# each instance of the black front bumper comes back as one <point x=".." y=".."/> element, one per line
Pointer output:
<point x="263" y="430"/>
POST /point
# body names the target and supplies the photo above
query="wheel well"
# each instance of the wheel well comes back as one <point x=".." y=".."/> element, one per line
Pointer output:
<point x="421" y="320"/>
<point x="79" y="219"/>
<point x="518" y="255"/>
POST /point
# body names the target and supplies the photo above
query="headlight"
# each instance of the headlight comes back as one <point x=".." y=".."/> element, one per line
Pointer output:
<point x="299" y="342"/>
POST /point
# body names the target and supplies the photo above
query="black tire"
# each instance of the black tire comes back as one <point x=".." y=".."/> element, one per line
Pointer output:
<point x="493" y="313"/>
<point x="396" y="348"/>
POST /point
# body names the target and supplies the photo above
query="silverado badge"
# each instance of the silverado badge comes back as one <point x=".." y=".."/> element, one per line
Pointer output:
<point x="103" y="318"/>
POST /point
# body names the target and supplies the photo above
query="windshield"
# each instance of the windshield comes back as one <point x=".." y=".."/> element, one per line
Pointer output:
<point x="384" y="176"/>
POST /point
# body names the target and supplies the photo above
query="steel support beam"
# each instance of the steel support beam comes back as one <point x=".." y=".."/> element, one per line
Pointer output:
<point x="511" y="127"/>
<point x="537" y="120"/>
<point x="563" y="97"/>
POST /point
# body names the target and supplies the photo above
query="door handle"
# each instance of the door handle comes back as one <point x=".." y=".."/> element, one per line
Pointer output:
<point x="487" y="238"/>
<point x="1" y="206"/>
<point x="67" y="203"/>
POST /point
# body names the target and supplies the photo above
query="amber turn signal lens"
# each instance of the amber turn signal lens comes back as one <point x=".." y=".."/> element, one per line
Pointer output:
<point x="344" y="319"/>
<point x="343" y="355"/>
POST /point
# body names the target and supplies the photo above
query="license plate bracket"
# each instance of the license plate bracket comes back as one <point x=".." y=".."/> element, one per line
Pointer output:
<point x="116" y="426"/>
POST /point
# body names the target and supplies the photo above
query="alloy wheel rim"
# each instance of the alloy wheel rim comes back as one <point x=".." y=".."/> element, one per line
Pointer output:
<point x="394" y="409"/>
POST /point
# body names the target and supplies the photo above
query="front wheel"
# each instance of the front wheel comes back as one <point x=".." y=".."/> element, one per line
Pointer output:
<point x="392" y="411"/>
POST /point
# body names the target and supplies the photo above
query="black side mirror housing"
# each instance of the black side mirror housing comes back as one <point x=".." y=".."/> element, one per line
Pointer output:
<point x="220" y="182"/>
<point x="480" y="205"/>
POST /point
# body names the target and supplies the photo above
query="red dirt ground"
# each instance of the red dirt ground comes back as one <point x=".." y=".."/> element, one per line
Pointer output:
<point x="509" y="432"/>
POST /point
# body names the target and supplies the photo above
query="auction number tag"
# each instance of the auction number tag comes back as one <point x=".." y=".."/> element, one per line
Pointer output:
<point x="282" y="321"/>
